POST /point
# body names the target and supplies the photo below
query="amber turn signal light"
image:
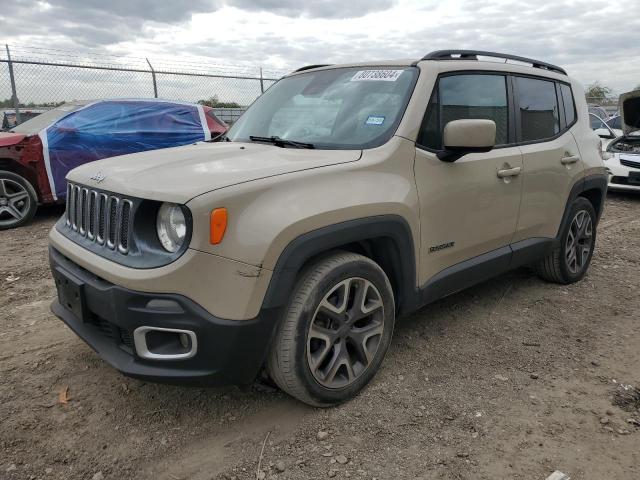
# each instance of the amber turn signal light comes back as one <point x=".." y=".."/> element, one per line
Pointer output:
<point x="218" y="225"/>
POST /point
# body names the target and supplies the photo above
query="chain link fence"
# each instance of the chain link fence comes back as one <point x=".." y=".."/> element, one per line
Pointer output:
<point x="27" y="83"/>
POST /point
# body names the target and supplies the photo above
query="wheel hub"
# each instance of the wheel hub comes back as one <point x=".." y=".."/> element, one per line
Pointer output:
<point x="345" y="332"/>
<point x="579" y="242"/>
<point x="14" y="202"/>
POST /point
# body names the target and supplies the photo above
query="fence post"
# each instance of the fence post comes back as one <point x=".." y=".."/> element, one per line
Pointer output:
<point x="261" y="81"/>
<point x="153" y="77"/>
<point x="14" y="94"/>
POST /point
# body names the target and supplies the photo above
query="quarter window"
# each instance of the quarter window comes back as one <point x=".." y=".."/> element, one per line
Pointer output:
<point x="466" y="96"/>
<point x="569" y="106"/>
<point x="538" y="105"/>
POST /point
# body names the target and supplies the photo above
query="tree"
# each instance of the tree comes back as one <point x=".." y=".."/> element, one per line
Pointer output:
<point x="597" y="93"/>
<point x="215" y="103"/>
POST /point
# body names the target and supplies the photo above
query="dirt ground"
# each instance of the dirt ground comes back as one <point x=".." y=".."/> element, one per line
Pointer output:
<point x="512" y="379"/>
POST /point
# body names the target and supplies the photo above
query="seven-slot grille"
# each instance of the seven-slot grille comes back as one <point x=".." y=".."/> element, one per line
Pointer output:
<point x="630" y="163"/>
<point x="100" y="217"/>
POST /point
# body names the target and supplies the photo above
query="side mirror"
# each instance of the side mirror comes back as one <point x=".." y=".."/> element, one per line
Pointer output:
<point x="467" y="136"/>
<point x="604" y="133"/>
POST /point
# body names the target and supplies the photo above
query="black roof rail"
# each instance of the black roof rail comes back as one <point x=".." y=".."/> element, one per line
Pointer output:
<point x="473" y="55"/>
<point x="309" y="67"/>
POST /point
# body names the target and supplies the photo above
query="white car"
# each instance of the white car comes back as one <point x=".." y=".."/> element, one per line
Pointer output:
<point x="603" y="130"/>
<point x="622" y="156"/>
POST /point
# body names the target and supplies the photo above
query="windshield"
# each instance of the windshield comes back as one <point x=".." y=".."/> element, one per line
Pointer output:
<point x="45" y="119"/>
<point x="341" y="108"/>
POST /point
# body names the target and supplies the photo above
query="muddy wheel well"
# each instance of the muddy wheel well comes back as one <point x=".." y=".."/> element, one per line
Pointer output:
<point x="10" y="165"/>
<point x="384" y="252"/>
<point x="595" y="196"/>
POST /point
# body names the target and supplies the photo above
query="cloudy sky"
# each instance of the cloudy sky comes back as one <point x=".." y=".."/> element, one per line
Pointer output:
<point x="592" y="39"/>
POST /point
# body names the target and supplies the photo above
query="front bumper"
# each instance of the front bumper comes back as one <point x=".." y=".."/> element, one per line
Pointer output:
<point x="620" y="175"/>
<point x="229" y="351"/>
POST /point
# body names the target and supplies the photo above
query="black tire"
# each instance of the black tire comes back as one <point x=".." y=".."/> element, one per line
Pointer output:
<point x="16" y="213"/>
<point x="290" y="358"/>
<point x="556" y="267"/>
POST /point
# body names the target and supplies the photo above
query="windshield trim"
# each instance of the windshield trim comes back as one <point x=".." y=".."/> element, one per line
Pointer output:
<point x="377" y="142"/>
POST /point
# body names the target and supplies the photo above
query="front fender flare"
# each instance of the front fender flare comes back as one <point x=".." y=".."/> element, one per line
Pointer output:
<point x="308" y="245"/>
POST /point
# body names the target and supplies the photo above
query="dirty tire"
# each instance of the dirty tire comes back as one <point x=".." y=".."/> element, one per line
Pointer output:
<point x="21" y="213"/>
<point x="555" y="267"/>
<point x="290" y="363"/>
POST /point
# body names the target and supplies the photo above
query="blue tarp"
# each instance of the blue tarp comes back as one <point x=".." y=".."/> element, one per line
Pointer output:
<point x="117" y="127"/>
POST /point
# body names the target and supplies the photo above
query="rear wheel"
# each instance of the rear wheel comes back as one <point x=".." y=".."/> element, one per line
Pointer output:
<point x="570" y="260"/>
<point x="336" y="330"/>
<point x="18" y="200"/>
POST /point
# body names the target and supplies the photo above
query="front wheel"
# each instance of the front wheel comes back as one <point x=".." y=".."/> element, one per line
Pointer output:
<point x="570" y="259"/>
<point x="336" y="330"/>
<point x="18" y="200"/>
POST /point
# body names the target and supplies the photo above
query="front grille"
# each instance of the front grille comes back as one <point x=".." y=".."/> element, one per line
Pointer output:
<point x="113" y="332"/>
<point x="629" y="163"/>
<point x="101" y="218"/>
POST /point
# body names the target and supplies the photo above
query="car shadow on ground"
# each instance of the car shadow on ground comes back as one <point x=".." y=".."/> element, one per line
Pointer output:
<point x="223" y="402"/>
<point x="48" y="213"/>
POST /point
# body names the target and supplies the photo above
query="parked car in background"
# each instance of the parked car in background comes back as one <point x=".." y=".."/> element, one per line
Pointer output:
<point x="9" y="119"/>
<point x="603" y="130"/>
<point x="622" y="156"/>
<point x="36" y="155"/>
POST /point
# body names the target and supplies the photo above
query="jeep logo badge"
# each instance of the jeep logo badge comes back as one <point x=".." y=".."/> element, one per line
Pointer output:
<point x="98" y="177"/>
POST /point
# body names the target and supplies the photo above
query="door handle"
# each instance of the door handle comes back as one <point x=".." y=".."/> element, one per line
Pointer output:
<point x="509" y="172"/>
<point x="570" y="159"/>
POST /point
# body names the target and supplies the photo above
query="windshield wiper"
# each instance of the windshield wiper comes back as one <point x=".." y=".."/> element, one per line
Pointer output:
<point x="281" y="142"/>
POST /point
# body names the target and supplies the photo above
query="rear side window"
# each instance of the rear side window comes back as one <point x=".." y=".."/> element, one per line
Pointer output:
<point x="569" y="105"/>
<point x="466" y="96"/>
<point x="538" y="108"/>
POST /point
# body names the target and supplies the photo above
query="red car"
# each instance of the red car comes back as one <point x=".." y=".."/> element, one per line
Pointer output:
<point x="26" y="178"/>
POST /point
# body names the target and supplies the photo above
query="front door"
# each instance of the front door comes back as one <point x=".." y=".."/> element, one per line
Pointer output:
<point x="469" y="207"/>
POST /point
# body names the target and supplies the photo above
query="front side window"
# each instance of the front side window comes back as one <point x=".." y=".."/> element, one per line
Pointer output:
<point x="465" y="96"/>
<point x="342" y="108"/>
<point x="615" y="122"/>
<point x="595" y="122"/>
<point x="538" y="106"/>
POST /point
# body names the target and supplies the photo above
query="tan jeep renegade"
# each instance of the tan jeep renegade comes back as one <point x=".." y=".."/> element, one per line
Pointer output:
<point x="346" y="196"/>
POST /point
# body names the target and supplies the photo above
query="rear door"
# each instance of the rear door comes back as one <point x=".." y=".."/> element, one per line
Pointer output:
<point x="545" y="113"/>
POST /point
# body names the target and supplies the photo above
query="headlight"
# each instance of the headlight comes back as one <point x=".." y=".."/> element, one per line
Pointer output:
<point x="171" y="226"/>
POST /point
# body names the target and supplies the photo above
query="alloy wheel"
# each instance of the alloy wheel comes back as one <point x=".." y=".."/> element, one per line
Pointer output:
<point x="345" y="332"/>
<point x="579" y="242"/>
<point x="15" y="201"/>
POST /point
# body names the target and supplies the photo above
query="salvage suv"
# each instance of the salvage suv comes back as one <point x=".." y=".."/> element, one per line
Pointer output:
<point x="345" y="197"/>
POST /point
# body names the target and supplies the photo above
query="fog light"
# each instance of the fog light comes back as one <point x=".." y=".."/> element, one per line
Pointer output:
<point x="156" y="343"/>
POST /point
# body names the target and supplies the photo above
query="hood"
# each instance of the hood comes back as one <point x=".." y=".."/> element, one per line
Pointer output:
<point x="7" y="138"/>
<point x="181" y="173"/>
<point x="630" y="111"/>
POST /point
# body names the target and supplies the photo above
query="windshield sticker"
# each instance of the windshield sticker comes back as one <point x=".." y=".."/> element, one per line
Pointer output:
<point x="377" y="75"/>
<point x="374" y="120"/>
